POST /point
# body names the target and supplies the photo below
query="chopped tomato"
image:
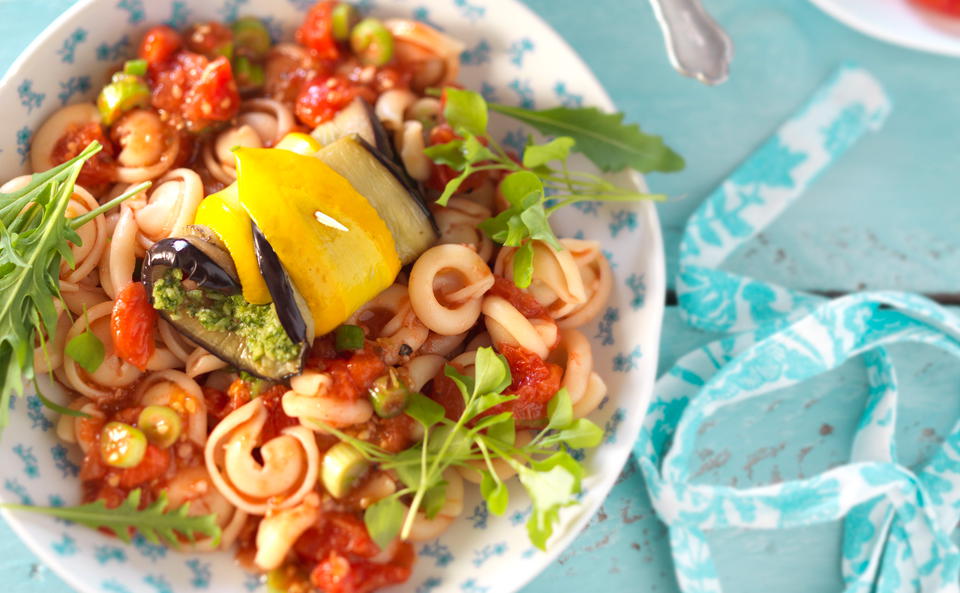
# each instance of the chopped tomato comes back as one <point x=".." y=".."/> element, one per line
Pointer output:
<point x="100" y="170"/>
<point x="951" y="7"/>
<point x="535" y="382"/>
<point x="154" y="465"/>
<point x="338" y="574"/>
<point x="392" y="434"/>
<point x="341" y="532"/>
<point x="316" y="32"/>
<point x="524" y="302"/>
<point x="220" y="404"/>
<point x="212" y="98"/>
<point x="321" y="98"/>
<point x="446" y="393"/>
<point x="211" y="39"/>
<point x="277" y="419"/>
<point x="159" y="45"/>
<point x="133" y="325"/>
<point x="352" y="374"/>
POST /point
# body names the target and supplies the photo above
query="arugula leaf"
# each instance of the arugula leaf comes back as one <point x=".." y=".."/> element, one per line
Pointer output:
<point x="155" y="523"/>
<point x="87" y="350"/>
<point x="383" y="520"/>
<point x="465" y="111"/>
<point x="603" y="137"/>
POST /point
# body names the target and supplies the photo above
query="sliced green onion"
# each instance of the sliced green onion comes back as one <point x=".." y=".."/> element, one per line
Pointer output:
<point x="251" y="37"/>
<point x="122" y="445"/>
<point x="123" y="94"/>
<point x="161" y="425"/>
<point x="389" y="395"/>
<point x="372" y="42"/>
<point x="342" y="465"/>
<point x="342" y="19"/>
<point x="248" y="74"/>
<point x="135" y="67"/>
<point x="348" y="337"/>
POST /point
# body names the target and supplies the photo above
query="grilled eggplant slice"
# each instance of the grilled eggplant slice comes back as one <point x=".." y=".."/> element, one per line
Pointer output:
<point x="384" y="185"/>
<point x="192" y="283"/>
<point x="291" y="309"/>
<point x="356" y="118"/>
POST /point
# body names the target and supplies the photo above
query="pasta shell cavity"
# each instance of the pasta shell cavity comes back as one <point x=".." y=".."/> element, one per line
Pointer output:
<point x="270" y="119"/>
<point x="433" y="57"/>
<point x="288" y="470"/>
<point x="218" y="153"/>
<point x="447" y="284"/>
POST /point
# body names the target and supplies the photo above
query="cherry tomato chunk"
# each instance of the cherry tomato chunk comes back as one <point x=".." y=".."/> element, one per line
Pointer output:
<point x="159" y="45"/>
<point x="133" y="325"/>
<point x="316" y="32"/>
<point x="100" y="170"/>
<point x="321" y="98"/>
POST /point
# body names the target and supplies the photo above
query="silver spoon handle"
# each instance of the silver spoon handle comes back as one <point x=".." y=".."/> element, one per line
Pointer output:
<point x="697" y="46"/>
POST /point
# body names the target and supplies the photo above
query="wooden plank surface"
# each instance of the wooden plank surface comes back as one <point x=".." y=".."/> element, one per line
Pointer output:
<point x="886" y="216"/>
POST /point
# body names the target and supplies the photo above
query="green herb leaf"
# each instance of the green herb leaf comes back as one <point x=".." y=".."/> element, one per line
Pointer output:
<point x="523" y="265"/>
<point x="423" y="409"/>
<point x="491" y="372"/>
<point x="464" y="383"/>
<point x="474" y="151"/>
<point x="495" y="493"/>
<point x="452" y="186"/>
<point x="155" y="523"/>
<point x="434" y="499"/>
<point x="465" y="111"/>
<point x="581" y="434"/>
<point x="560" y="410"/>
<point x="549" y="490"/>
<point x="485" y="402"/>
<point x="449" y="154"/>
<point x="87" y="350"/>
<point x="603" y="137"/>
<point x="407" y="465"/>
<point x="384" y="519"/>
<point x="537" y="155"/>
<point x="538" y="227"/>
<point x="521" y="189"/>
<point x="459" y="441"/>
<point x="504" y="430"/>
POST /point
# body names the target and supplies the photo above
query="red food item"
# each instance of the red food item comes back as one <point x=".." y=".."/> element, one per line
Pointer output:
<point x="392" y="434"/>
<point x="154" y="465"/>
<point x="277" y="419"/>
<point x="100" y="170"/>
<point x="535" y="382"/>
<point x="951" y="7"/>
<point x="316" y="32"/>
<point x="351" y="374"/>
<point x="338" y="574"/>
<point x="159" y="45"/>
<point x="193" y="92"/>
<point x="446" y="393"/>
<point x="321" y="98"/>
<point x="524" y="302"/>
<point x="133" y="325"/>
<point x="220" y="404"/>
<point x="211" y="39"/>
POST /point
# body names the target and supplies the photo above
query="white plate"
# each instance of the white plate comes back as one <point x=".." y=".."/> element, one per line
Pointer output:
<point x="899" y="22"/>
<point x="513" y="56"/>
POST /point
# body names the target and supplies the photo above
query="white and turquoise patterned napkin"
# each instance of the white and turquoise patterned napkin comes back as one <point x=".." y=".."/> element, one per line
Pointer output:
<point x="898" y="520"/>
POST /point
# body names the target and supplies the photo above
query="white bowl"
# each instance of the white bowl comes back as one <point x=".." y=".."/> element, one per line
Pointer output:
<point x="899" y="22"/>
<point x="514" y="57"/>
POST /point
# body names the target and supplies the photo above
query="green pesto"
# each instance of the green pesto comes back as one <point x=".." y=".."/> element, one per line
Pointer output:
<point x="258" y="325"/>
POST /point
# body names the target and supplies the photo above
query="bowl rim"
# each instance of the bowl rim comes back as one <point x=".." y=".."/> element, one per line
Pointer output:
<point x="651" y="332"/>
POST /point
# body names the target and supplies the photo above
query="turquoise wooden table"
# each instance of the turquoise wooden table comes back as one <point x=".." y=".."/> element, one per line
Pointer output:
<point x="885" y="217"/>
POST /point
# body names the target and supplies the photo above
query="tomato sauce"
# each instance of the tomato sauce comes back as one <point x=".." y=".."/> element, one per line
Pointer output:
<point x="535" y="382"/>
<point x="101" y="169"/>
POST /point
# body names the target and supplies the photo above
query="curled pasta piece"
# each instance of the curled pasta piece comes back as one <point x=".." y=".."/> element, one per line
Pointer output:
<point x="597" y="281"/>
<point x="391" y="106"/>
<point x="507" y="325"/>
<point x="442" y="345"/>
<point x="83" y="295"/>
<point x="201" y="362"/>
<point x="574" y="355"/>
<point x="46" y="137"/>
<point x="120" y="259"/>
<point x="279" y="477"/>
<point x="462" y="277"/>
<point x="174" y="341"/>
<point x="218" y="154"/>
<point x="432" y="57"/>
<point x="556" y="282"/>
<point x="333" y="411"/>
<point x="170" y="206"/>
<point x="421" y="370"/>
<point x="458" y="224"/>
<point x="390" y="320"/>
<point x="377" y="487"/>
<point x="409" y="138"/>
<point x="193" y="485"/>
<point x="592" y="397"/>
<point x="425" y="529"/>
<point x="176" y="390"/>
<point x="472" y="472"/>
<point x="271" y="119"/>
<point x="280" y="529"/>
<point x="148" y="146"/>
<point x="69" y="429"/>
<point x="425" y="110"/>
<point x="113" y="373"/>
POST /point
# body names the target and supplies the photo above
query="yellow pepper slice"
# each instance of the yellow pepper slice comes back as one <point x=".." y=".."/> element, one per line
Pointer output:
<point x="223" y="213"/>
<point x="336" y="249"/>
<point x="299" y="143"/>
